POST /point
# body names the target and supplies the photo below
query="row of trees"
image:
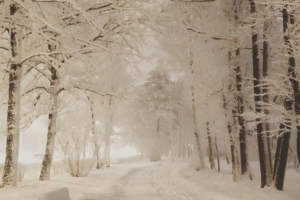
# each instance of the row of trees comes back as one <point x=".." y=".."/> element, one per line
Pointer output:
<point x="234" y="58"/>
<point x="259" y="96"/>
<point x="252" y="85"/>
<point x="261" y="17"/>
<point x="51" y="55"/>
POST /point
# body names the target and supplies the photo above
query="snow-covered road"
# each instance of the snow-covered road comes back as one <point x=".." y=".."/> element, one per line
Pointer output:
<point x="156" y="181"/>
<point x="151" y="183"/>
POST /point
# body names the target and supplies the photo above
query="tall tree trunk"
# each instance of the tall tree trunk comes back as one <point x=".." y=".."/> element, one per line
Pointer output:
<point x="266" y="96"/>
<point x="96" y="136"/>
<point x="298" y="139"/>
<point x="10" y="175"/>
<point x="210" y="147"/>
<point x="241" y="121"/>
<point x="281" y="155"/>
<point x="12" y="142"/>
<point x="265" y="170"/>
<point x="227" y="159"/>
<point x="232" y="142"/>
<point x="284" y="138"/>
<point x="292" y="72"/>
<point x="278" y="148"/>
<point x="237" y="162"/>
<point x="155" y="155"/>
<point x="233" y="156"/>
<point x="218" y="155"/>
<point x="170" y="124"/>
<point x="240" y="106"/>
<point x="234" y="165"/>
<point x="110" y="103"/>
<point x="107" y="153"/>
<point x="180" y="146"/>
<point x="48" y="157"/>
<point x="197" y="136"/>
<point x="186" y="144"/>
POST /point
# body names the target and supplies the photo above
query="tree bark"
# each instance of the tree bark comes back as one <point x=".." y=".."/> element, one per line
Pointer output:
<point x="292" y="72"/>
<point x="218" y="155"/>
<point x="48" y="157"/>
<point x="241" y="121"/>
<point x="107" y="153"/>
<point x="240" y="108"/>
<point x="10" y="175"/>
<point x="281" y="156"/>
<point x="278" y="148"/>
<point x="266" y="173"/>
<point x="266" y="96"/>
<point x="170" y="125"/>
<point x="196" y="133"/>
<point x="210" y="147"/>
<point x="96" y="136"/>
<point x="12" y="142"/>
<point x="234" y="165"/>
<point x="237" y="163"/>
<point x="232" y="143"/>
<point x="284" y="138"/>
<point x="233" y="156"/>
<point x="154" y="154"/>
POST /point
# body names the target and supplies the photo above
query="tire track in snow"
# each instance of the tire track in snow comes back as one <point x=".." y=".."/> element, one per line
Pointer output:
<point x="165" y="186"/>
<point x="159" y="182"/>
<point x="118" y="188"/>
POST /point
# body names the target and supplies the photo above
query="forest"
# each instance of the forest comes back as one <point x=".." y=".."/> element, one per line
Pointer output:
<point x="209" y="82"/>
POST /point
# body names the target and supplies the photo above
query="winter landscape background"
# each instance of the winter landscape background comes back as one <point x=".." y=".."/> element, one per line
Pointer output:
<point x="150" y="99"/>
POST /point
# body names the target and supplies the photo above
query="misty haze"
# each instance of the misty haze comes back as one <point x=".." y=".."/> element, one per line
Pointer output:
<point x="149" y="100"/>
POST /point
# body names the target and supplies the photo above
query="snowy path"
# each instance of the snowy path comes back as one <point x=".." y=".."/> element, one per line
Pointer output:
<point x="179" y="181"/>
<point x="156" y="181"/>
<point x="139" y="181"/>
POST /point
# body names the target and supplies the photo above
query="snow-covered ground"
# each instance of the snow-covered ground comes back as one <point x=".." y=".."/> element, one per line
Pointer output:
<point x="155" y="181"/>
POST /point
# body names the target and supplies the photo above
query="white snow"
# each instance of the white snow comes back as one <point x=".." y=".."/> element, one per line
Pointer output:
<point x="61" y="194"/>
<point x="163" y="180"/>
